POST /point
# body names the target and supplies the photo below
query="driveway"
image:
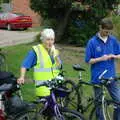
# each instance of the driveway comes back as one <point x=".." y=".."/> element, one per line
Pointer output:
<point x="8" y="38"/>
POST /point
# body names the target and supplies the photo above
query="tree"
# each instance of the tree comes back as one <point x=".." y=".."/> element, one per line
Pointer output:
<point x="61" y="10"/>
<point x="56" y="9"/>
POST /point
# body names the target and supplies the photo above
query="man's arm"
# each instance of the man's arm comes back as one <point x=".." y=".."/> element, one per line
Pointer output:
<point x="99" y="59"/>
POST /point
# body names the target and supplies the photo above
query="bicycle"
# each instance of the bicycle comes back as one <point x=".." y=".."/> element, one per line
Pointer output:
<point x="3" y="64"/>
<point x="90" y="103"/>
<point x="47" y="108"/>
<point x="108" y="105"/>
<point x="12" y="106"/>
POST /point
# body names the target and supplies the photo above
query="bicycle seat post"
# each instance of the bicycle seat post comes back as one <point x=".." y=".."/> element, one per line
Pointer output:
<point x="80" y="75"/>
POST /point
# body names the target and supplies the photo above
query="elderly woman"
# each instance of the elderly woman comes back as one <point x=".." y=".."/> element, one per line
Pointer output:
<point x="45" y="60"/>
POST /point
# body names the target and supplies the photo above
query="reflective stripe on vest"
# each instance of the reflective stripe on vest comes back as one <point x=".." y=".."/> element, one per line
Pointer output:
<point x="39" y="82"/>
<point x="44" y="69"/>
<point x="40" y="57"/>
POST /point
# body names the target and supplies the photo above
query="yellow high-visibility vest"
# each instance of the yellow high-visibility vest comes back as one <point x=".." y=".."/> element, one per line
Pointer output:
<point x="44" y="69"/>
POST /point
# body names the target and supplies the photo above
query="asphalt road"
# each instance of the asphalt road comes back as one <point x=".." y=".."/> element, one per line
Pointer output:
<point x="8" y="38"/>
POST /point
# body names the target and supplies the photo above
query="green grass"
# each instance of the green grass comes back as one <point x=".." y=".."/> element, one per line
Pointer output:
<point x="35" y="29"/>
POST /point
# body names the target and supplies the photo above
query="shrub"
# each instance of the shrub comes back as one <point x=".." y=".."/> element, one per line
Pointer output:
<point x="79" y="35"/>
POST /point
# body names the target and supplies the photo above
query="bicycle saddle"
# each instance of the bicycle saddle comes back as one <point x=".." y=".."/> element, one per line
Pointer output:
<point x="77" y="67"/>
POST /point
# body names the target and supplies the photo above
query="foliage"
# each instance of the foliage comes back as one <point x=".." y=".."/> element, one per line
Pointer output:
<point x="116" y="22"/>
<point x="79" y="35"/>
<point x="51" y="8"/>
<point x="55" y="11"/>
<point x="57" y="8"/>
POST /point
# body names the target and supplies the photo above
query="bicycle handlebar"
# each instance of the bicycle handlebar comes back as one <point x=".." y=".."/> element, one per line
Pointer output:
<point x="104" y="81"/>
<point x="51" y="83"/>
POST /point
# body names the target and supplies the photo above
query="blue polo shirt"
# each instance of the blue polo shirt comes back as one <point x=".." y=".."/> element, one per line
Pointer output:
<point x="97" y="48"/>
<point x="31" y="60"/>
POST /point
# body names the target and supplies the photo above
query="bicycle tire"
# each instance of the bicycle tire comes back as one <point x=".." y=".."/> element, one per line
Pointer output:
<point x="26" y="115"/>
<point x="111" y="105"/>
<point x="66" y="114"/>
<point x="71" y="114"/>
<point x="71" y="100"/>
<point x="92" y="115"/>
<point x="109" y="109"/>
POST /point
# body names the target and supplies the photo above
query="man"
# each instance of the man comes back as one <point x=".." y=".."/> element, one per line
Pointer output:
<point x="45" y="60"/>
<point x="101" y="51"/>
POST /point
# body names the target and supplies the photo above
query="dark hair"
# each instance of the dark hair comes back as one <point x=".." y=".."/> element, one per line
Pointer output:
<point x="106" y="24"/>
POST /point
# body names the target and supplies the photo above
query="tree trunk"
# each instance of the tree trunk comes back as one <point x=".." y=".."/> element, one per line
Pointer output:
<point x="62" y="25"/>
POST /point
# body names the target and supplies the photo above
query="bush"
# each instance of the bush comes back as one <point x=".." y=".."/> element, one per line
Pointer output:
<point x="79" y="35"/>
<point x="52" y="23"/>
<point x="116" y="22"/>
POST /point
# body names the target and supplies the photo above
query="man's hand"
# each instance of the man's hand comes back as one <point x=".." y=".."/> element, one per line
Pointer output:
<point x="115" y="56"/>
<point x="21" y="80"/>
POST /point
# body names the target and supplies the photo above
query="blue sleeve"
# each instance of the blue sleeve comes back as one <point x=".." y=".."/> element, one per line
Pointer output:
<point x="89" y="52"/>
<point x="116" y="47"/>
<point x="30" y="60"/>
<point x="60" y="60"/>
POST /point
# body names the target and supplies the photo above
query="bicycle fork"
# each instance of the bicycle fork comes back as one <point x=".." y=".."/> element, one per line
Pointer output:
<point x="103" y="107"/>
<point x="58" y="114"/>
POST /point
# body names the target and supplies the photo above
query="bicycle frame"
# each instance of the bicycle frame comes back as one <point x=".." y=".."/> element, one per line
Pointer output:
<point x="93" y="100"/>
<point x="52" y="105"/>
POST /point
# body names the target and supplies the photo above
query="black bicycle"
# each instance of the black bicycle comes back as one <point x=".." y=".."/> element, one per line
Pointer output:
<point x="87" y="104"/>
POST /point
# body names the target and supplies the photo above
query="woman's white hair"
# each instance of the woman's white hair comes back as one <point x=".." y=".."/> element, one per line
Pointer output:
<point x="47" y="33"/>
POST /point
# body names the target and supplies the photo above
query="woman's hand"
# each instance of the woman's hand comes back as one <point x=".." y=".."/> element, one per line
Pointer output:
<point x="21" y="80"/>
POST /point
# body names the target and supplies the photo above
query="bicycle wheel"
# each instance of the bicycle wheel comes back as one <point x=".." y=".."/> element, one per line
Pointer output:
<point x="111" y="106"/>
<point x="71" y="100"/>
<point x="108" y="110"/>
<point x="43" y="113"/>
<point x="92" y="115"/>
<point x="61" y="114"/>
<point x="27" y="115"/>
<point x="70" y="114"/>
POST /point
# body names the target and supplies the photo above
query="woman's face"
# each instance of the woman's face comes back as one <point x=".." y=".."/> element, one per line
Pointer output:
<point x="48" y="43"/>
